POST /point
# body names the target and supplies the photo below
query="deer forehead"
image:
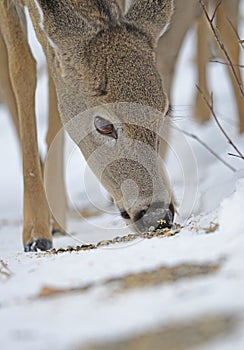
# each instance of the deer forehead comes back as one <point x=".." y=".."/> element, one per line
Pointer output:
<point x="116" y="44"/>
<point x="119" y="67"/>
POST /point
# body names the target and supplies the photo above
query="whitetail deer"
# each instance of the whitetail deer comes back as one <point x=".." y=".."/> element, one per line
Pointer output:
<point x="98" y="58"/>
<point x="70" y="33"/>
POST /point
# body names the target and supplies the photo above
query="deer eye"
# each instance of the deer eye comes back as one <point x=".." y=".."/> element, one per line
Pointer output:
<point x="105" y="127"/>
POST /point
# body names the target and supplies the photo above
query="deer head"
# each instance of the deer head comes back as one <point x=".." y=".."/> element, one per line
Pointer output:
<point x="111" y="97"/>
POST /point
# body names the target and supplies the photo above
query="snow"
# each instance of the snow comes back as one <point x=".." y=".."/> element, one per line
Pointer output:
<point x="209" y="195"/>
<point x="231" y="216"/>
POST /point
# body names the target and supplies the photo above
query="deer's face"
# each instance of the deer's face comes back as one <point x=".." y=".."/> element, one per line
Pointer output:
<point x="120" y="135"/>
<point x="111" y="94"/>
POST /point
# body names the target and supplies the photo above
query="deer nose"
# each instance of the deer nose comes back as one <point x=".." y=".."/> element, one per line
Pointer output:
<point x="156" y="216"/>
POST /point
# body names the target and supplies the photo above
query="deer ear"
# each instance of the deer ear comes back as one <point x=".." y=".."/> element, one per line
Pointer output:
<point x="151" y="16"/>
<point x="59" y="20"/>
<point x="64" y="19"/>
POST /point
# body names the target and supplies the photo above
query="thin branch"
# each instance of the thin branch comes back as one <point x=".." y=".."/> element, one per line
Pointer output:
<point x="210" y="105"/>
<point x="226" y="63"/>
<point x="235" y="155"/>
<point x="216" y="9"/>
<point x="196" y="138"/>
<point x="221" y="44"/>
<point x="236" y="32"/>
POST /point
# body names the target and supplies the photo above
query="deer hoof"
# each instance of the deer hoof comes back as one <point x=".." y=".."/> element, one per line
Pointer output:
<point x="40" y="244"/>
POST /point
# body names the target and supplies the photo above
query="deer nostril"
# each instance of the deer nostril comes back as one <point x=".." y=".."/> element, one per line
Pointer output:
<point x="125" y="215"/>
<point x="139" y="215"/>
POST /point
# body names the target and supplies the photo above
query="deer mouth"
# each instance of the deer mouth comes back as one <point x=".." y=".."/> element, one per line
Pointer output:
<point x="154" y="218"/>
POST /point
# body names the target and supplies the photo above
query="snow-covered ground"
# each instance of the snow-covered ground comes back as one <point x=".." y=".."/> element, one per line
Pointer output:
<point x="211" y="206"/>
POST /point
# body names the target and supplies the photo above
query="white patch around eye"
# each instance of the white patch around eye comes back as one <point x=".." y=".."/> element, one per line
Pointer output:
<point x="41" y="25"/>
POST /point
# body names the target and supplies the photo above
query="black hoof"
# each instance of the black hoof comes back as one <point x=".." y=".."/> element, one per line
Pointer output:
<point x="39" y="244"/>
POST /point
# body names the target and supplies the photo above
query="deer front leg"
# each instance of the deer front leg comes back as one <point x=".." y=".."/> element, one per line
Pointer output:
<point x="7" y="93"/>
<point x="54" y="167"/>
<point x="22" y="68"/>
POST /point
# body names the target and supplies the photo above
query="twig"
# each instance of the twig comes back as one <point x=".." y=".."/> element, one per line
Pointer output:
<point x="210" y="105"/>
<point x="196" y="138"/>
<point x="216" y="9"/>
<point x="234" y="155"/>
<point x="226" y="63"/>
<point x="221" y="44"/>
<point x="236" y="32"/>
